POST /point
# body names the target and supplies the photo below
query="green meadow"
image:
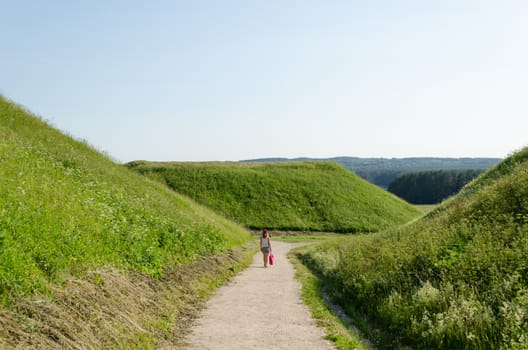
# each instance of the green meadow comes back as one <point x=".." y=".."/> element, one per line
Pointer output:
<point x="296" y="196"/>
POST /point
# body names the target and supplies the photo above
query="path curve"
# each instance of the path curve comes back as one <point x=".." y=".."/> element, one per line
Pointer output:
<point x="235" y="317"/>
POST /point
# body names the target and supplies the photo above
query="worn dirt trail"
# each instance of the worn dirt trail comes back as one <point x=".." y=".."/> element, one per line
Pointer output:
<point x="259" y="309"/>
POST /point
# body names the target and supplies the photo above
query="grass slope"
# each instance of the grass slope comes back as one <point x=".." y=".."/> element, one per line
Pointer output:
<point x="66" y="210"/>
<point x="312" y="196"/>
<point x="455" y="279"/>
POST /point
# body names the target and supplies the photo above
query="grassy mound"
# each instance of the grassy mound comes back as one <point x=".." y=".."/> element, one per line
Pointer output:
<point x="66" y="211"/>
<point x="455" y="279"/>
<point x="312" y="196"/>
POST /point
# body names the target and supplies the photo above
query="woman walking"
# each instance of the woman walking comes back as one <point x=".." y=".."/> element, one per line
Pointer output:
<point x="265" y="246"/>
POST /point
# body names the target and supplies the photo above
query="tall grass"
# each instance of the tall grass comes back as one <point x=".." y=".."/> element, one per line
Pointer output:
<point x="65" y="209"/>
<point x="456" y="279"/>
<point x="304" y="196"/>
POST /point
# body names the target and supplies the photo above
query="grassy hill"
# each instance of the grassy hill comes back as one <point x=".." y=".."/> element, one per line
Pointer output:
<point x="75" y="225"/>
<point x="313" y="196"/>
<point x="455" y="279"/>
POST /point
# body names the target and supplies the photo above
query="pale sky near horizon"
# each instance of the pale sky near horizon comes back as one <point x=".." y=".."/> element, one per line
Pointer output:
<point x="231" y="80"/>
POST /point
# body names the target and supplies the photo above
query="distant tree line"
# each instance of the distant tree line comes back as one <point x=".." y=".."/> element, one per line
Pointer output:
<point x="430" y="187"/>
<point x="382" y="171"/>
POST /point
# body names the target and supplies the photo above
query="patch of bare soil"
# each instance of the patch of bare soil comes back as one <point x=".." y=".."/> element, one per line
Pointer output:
<point x="109" y="309"/>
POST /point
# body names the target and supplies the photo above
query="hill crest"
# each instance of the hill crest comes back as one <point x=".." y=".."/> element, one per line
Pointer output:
<point x="381" y="171"/>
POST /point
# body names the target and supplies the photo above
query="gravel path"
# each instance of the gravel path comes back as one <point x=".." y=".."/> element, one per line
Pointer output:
<point x="259" y="309"/>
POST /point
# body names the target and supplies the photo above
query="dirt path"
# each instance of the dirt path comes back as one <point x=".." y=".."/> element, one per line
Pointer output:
<point x="259" y="309"/>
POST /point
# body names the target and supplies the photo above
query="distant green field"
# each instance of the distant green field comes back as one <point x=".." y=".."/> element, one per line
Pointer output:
<point x="425" y="208"/>
<point x="302" y="196"/>
<point x="454" y="279"/>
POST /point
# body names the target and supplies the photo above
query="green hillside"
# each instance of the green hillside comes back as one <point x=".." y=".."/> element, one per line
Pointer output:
<point x="312" y="196"/>
<point x="455" y="279"/>
<point x="67" y="211"/>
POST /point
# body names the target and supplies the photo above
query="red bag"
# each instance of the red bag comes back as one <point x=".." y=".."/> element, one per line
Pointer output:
<point x="271" y="258"/>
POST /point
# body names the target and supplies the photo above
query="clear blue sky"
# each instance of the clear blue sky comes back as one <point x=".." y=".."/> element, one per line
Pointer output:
<point x="231" y="80"/>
